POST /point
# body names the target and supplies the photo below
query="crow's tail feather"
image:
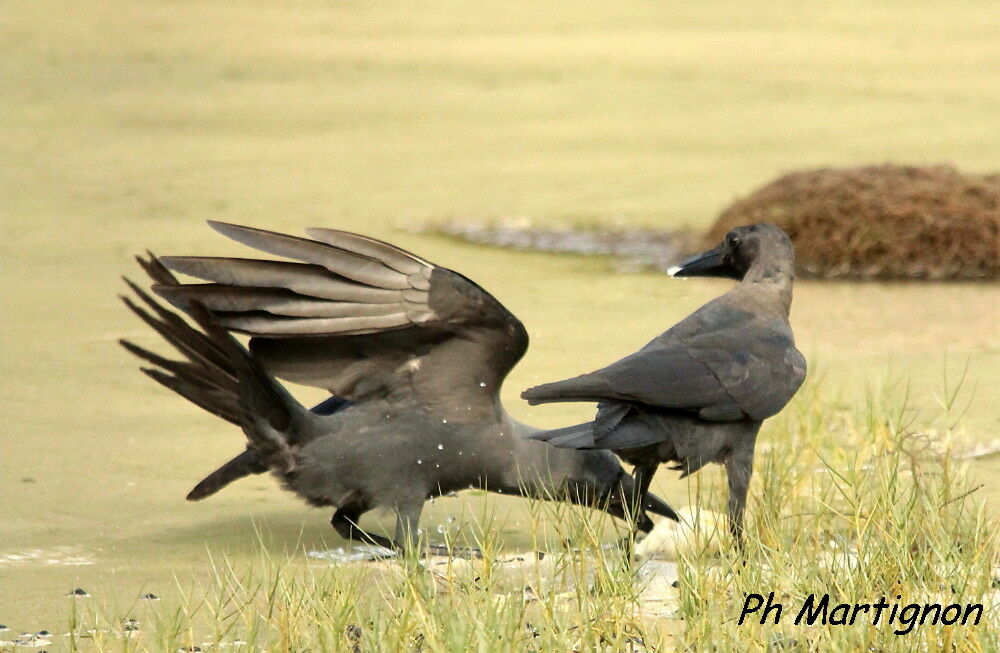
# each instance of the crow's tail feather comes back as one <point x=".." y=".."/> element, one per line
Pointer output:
<point x="579" y="436"/>
<point x="583" y="388"/>
<point x="245" y="464"/>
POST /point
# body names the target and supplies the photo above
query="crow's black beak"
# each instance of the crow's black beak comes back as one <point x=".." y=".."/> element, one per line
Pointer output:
<point x="619" y="498"/>
<point x="712" y="263"/>
<point x="658" y="506"/>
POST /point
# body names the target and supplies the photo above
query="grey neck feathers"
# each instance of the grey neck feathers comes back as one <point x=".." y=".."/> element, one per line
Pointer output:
<point x="538" y="464"/>
<point x="776" y="274"/>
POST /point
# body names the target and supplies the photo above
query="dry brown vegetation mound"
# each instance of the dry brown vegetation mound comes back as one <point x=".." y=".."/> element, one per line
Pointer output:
<point x="889" y="222"/>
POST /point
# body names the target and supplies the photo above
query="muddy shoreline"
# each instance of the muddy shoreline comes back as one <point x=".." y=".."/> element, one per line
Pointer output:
<point x="633" y="248"/>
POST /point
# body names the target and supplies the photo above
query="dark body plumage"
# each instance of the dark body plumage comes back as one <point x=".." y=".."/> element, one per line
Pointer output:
<point x="698" y="393"/>
<point x="413" y="355"/>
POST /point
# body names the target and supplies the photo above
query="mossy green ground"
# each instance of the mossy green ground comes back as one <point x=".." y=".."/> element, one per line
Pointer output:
<point x="126" y="124"/>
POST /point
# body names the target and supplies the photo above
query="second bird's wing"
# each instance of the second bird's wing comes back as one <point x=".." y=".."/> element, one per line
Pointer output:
<point x="665" y="377"/>
<point x="742" y="368"/>
<point x="358" y="317"/>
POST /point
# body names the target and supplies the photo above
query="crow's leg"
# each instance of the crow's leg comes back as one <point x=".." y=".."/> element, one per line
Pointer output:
<point x="345" y="522"/>
<point x="637" y="502"/>
<point x="407" y="523"/>
<point x="739" y="469"/>
<point x="408" y="534"/>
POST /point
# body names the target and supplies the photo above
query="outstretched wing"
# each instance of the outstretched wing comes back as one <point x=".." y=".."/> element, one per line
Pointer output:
<point x="358" y="317"/>
<point x="720" y="363"/>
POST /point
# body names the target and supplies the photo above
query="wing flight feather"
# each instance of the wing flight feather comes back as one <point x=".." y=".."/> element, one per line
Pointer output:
<point x="352" y="314"/>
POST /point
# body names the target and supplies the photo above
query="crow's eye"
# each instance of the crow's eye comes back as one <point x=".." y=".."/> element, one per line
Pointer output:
<point x="734" y="242"/>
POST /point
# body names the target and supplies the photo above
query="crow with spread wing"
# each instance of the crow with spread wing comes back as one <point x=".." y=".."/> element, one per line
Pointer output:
<point x="412" y="354"/>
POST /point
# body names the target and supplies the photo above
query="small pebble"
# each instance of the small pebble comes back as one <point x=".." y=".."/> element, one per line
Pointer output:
<point x="3" y="628"/>
<point x="79" y="592"/>
<point x="777" y="643"/>
<point x="43" y="633"/>
<point x="149" y="597"/>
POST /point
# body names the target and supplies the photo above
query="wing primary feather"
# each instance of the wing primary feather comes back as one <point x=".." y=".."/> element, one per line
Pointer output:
<point x="304" y="279"/>
<point x="278" y="301"/>
<point x="177" y="327"/>
<point x="257" y="387"/>
<point x="211" y="377"/>
<point x="398" y="259"/>
<point x="194" y="394"/>
<point x="192" y="344"/>
<point x="347" y="264"/>
<point x="282" y="326"/>
<point x="156" y="271"/>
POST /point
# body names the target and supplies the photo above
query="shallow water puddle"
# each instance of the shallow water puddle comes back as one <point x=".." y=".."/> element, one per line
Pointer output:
<point x="356" y="553"/>
<point x="66" y="556"/>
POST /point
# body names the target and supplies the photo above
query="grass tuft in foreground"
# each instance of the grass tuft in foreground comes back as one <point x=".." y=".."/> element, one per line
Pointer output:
<point x="856" y="504"/>
<point x="860" y="506"/>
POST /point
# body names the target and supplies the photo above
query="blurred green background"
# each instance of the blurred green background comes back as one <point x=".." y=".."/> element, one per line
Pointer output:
<point x="124" y="125"/>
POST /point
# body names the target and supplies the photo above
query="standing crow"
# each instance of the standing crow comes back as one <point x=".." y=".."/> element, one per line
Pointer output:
<point x="413" y="355"/>
<point x="699" y="392"/>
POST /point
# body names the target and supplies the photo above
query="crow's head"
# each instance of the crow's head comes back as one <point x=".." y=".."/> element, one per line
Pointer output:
<point x="738" y="251"/>
<point x="601" y="483"/>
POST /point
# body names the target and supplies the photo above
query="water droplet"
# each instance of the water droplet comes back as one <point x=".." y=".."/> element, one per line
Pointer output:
<point x="440" y="446"/>
<point x="482" y="384"/>
<point x="420" y="531"/>
<point x="437" y="465"/>
<point x="420" y="462"/>
<point x="444" y="421"/>
<point x="440" y="528"/>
